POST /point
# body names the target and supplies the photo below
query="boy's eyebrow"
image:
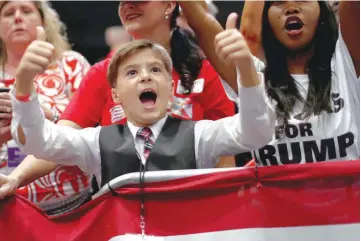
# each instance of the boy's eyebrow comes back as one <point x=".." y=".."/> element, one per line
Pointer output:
<point x="155" y="62"/>
<point x="131" y="66"/>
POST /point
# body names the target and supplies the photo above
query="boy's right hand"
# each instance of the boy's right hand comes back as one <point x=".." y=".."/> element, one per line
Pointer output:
<point x="8" y="185"/>
<point x="35" y="60"/>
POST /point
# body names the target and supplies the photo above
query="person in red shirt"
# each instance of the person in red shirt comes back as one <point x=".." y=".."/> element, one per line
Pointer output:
<point x="198" y="91"/>
<point x="93" y="105"/>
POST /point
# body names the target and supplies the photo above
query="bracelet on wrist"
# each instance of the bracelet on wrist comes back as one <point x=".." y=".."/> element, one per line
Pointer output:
<point x="23" y="98"/>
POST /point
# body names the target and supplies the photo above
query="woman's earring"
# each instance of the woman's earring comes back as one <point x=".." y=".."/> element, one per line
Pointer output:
<point x="166" y="15"/>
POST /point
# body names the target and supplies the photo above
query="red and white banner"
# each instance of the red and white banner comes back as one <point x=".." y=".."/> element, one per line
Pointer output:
<point x="294" y="202"/>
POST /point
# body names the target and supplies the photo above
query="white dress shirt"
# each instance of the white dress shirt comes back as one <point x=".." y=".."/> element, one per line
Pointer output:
<point x="252" y="128"/>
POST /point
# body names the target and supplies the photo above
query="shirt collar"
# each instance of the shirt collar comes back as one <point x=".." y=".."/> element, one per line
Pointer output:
<point x="156" y="127"/>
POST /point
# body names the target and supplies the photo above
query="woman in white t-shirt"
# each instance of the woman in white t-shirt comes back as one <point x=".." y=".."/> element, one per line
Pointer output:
<point x="311" y="76"/>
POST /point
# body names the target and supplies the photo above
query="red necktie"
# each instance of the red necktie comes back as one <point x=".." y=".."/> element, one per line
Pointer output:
<point x="146" y="134"/>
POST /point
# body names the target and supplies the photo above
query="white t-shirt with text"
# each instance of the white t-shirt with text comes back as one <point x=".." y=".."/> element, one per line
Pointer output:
<point x="328" y="136"/>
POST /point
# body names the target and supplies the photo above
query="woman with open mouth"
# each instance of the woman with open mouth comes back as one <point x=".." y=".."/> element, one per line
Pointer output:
<point x="312" y="76"/>
<point x="311" y="68"/>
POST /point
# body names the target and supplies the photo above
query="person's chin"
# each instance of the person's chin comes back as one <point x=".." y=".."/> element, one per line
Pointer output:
<point x="150" y="119"/>
<point x="299" y="46"/>
<point x="21" y="39"/>
<point x="293" y="47"/>
<point x="154" y="115"/>
<point x="134" y="28"/>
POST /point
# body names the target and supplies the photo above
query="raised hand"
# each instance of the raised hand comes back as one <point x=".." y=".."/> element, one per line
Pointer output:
<point x="206" y="28"/>
<point x="231" y="46"/>
<point x="35" y="60"/>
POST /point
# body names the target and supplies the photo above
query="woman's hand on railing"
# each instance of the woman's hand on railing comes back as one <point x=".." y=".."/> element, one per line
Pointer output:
<point x="8" y="185"/>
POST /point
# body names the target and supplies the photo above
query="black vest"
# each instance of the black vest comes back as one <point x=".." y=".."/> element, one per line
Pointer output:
<point x="172" y="150"/>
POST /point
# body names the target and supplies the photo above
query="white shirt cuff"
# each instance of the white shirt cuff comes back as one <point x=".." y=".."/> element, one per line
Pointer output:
<point x="248" y="97"/>
<point x="27" y="114"/>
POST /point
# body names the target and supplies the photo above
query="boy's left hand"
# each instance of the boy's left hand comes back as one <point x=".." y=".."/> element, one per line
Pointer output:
<point x="231" y="46"/>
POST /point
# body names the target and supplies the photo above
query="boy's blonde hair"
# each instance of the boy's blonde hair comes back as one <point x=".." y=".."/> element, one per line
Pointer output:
<point x="54" y="28"/>
<point x="129" y="49"/>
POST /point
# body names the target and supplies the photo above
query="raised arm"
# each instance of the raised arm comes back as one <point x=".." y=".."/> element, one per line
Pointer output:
<point x="349" y="12"/>
<point x="45" y="140"/>
<point x="31" y="168"/>
<point x="251" y="26"/>
<point x="253" y="126"/>
<point x="206" y="27"/>
<point x="32" y="132"/>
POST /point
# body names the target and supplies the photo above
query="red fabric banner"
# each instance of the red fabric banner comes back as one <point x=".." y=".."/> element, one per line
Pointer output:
<point x="294" y="202"/>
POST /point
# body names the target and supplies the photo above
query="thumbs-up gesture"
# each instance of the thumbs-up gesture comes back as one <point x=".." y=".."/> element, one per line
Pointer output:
<point x="35" y="60"/>
<point x="231" y="46"/>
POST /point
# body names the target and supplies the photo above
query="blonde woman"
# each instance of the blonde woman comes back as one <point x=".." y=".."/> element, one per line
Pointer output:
<point x="67" y="187"/>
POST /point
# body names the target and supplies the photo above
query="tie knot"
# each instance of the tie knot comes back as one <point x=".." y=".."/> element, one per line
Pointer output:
<point x="145" y="133"/>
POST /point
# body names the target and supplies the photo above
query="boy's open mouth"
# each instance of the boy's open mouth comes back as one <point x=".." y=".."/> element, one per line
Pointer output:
<point x="148" y="97"/>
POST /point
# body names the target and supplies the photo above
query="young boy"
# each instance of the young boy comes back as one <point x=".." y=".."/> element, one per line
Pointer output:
<point x="140" y="77"/>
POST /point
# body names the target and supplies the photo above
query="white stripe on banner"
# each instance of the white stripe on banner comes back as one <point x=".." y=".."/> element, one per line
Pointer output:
<point x="158" y="176"/>
<point x="349" y="232"/>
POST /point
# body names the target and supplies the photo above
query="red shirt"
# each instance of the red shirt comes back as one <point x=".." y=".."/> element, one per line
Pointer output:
<point x="92" y="103"/>
<point x="55" y="86"/>
<point x="111" y="54"/>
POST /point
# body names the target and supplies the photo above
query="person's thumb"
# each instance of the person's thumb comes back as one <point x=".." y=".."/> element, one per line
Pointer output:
<point x="40" y="33"/>
<point x="232" y="21"/>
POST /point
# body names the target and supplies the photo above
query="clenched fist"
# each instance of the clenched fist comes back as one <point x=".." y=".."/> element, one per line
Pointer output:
<point x="35" y="60"/>
<point x="231" y="46"/>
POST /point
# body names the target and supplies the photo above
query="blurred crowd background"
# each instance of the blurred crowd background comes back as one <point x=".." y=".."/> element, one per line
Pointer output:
<point x="88" y="21"/>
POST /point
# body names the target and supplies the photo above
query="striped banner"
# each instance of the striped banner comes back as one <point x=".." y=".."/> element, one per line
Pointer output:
<point x="294" y="202"/>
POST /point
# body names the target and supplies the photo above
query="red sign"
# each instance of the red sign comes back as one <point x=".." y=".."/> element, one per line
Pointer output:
<point x="294" y="202"/>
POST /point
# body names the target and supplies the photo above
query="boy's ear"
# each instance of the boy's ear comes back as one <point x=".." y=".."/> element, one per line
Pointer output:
<point x="171" y="86"/>
<point x="115" y="96"/>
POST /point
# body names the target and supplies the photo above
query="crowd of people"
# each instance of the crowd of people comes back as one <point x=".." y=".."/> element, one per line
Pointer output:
<point x="282" y="89"/>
